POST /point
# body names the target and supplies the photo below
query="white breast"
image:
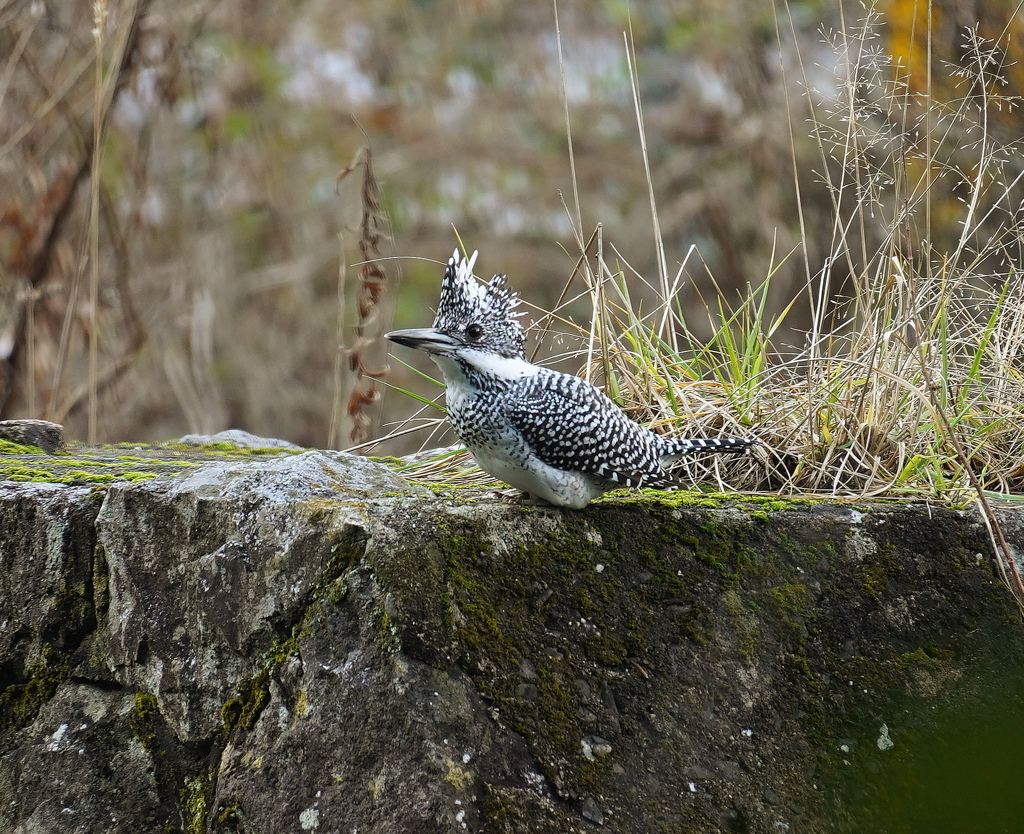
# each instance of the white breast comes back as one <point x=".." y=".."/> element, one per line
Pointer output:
<point x="532" y="475"/>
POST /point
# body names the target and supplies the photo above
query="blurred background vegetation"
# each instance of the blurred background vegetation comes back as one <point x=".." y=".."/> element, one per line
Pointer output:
<point x="201" y="272"/>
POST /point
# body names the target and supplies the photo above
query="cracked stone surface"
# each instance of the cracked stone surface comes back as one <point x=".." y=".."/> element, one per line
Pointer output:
<point x="306" y="642"/>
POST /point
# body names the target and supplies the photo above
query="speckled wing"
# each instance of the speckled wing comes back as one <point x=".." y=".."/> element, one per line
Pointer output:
<point x="570" y="425"/>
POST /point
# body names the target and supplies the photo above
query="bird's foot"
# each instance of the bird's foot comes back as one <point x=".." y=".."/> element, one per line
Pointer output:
<point x="530" y="500"/>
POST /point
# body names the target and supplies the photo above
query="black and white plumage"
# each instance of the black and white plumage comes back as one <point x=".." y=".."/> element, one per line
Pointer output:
<point x="550" y="434"/>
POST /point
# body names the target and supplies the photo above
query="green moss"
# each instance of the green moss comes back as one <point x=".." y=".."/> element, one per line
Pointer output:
<point x="257" y="700"/>
<point x="801" y="663"/>
<point x="7" y="447"/>
<point x="481" y="630"/>
<point x="25" y="473"/>
<point x="75" y="604"/>
<point x="775" y="503"/>
<point x="231" y="712"/>
<point x="699" y="499"/>
<point x="724" y="548"/>
<point x="90" y="477"/>
<point x="388" y="460"/>
<point x="670" y="498"/>
<point x="878" y="569"/>
<point x="923" y="655"/>
<point x="193" y="804"/>
<point x="745" y="622"/>
<point x="140" y="718"/>
<point x="337" y="591"/>
<point x="230" y="817"/>
<point x="69" y="477"/>
<point x="456" y="491"/>
<point x="20" y="702"/>
<point x="500" y="808"/>
<point x="790" y="597"/>
<point x="387" y="631"/>
<point x="135" y="477"/>
<point x="144" y="720"/>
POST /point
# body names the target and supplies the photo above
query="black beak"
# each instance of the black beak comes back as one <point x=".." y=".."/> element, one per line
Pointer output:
<point x="428" y="339"/>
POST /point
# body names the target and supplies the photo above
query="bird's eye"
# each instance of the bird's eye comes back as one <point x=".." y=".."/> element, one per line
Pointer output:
<point x="474" y="332"/>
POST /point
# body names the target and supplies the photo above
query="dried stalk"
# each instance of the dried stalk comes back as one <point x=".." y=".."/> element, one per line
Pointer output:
<point x="366" y="370"/>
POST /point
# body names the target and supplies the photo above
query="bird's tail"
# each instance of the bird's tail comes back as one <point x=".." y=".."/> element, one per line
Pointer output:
<point x="674" y="449"/>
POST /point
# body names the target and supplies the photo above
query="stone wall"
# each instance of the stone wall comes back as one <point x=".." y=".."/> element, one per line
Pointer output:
<point x="306" y="642"/>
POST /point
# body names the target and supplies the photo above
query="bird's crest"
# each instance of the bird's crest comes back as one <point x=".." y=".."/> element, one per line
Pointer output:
<point x="465" y="300"/>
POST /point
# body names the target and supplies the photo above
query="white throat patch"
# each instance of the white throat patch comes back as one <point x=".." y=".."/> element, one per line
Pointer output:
<point x="487" y="363"/>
